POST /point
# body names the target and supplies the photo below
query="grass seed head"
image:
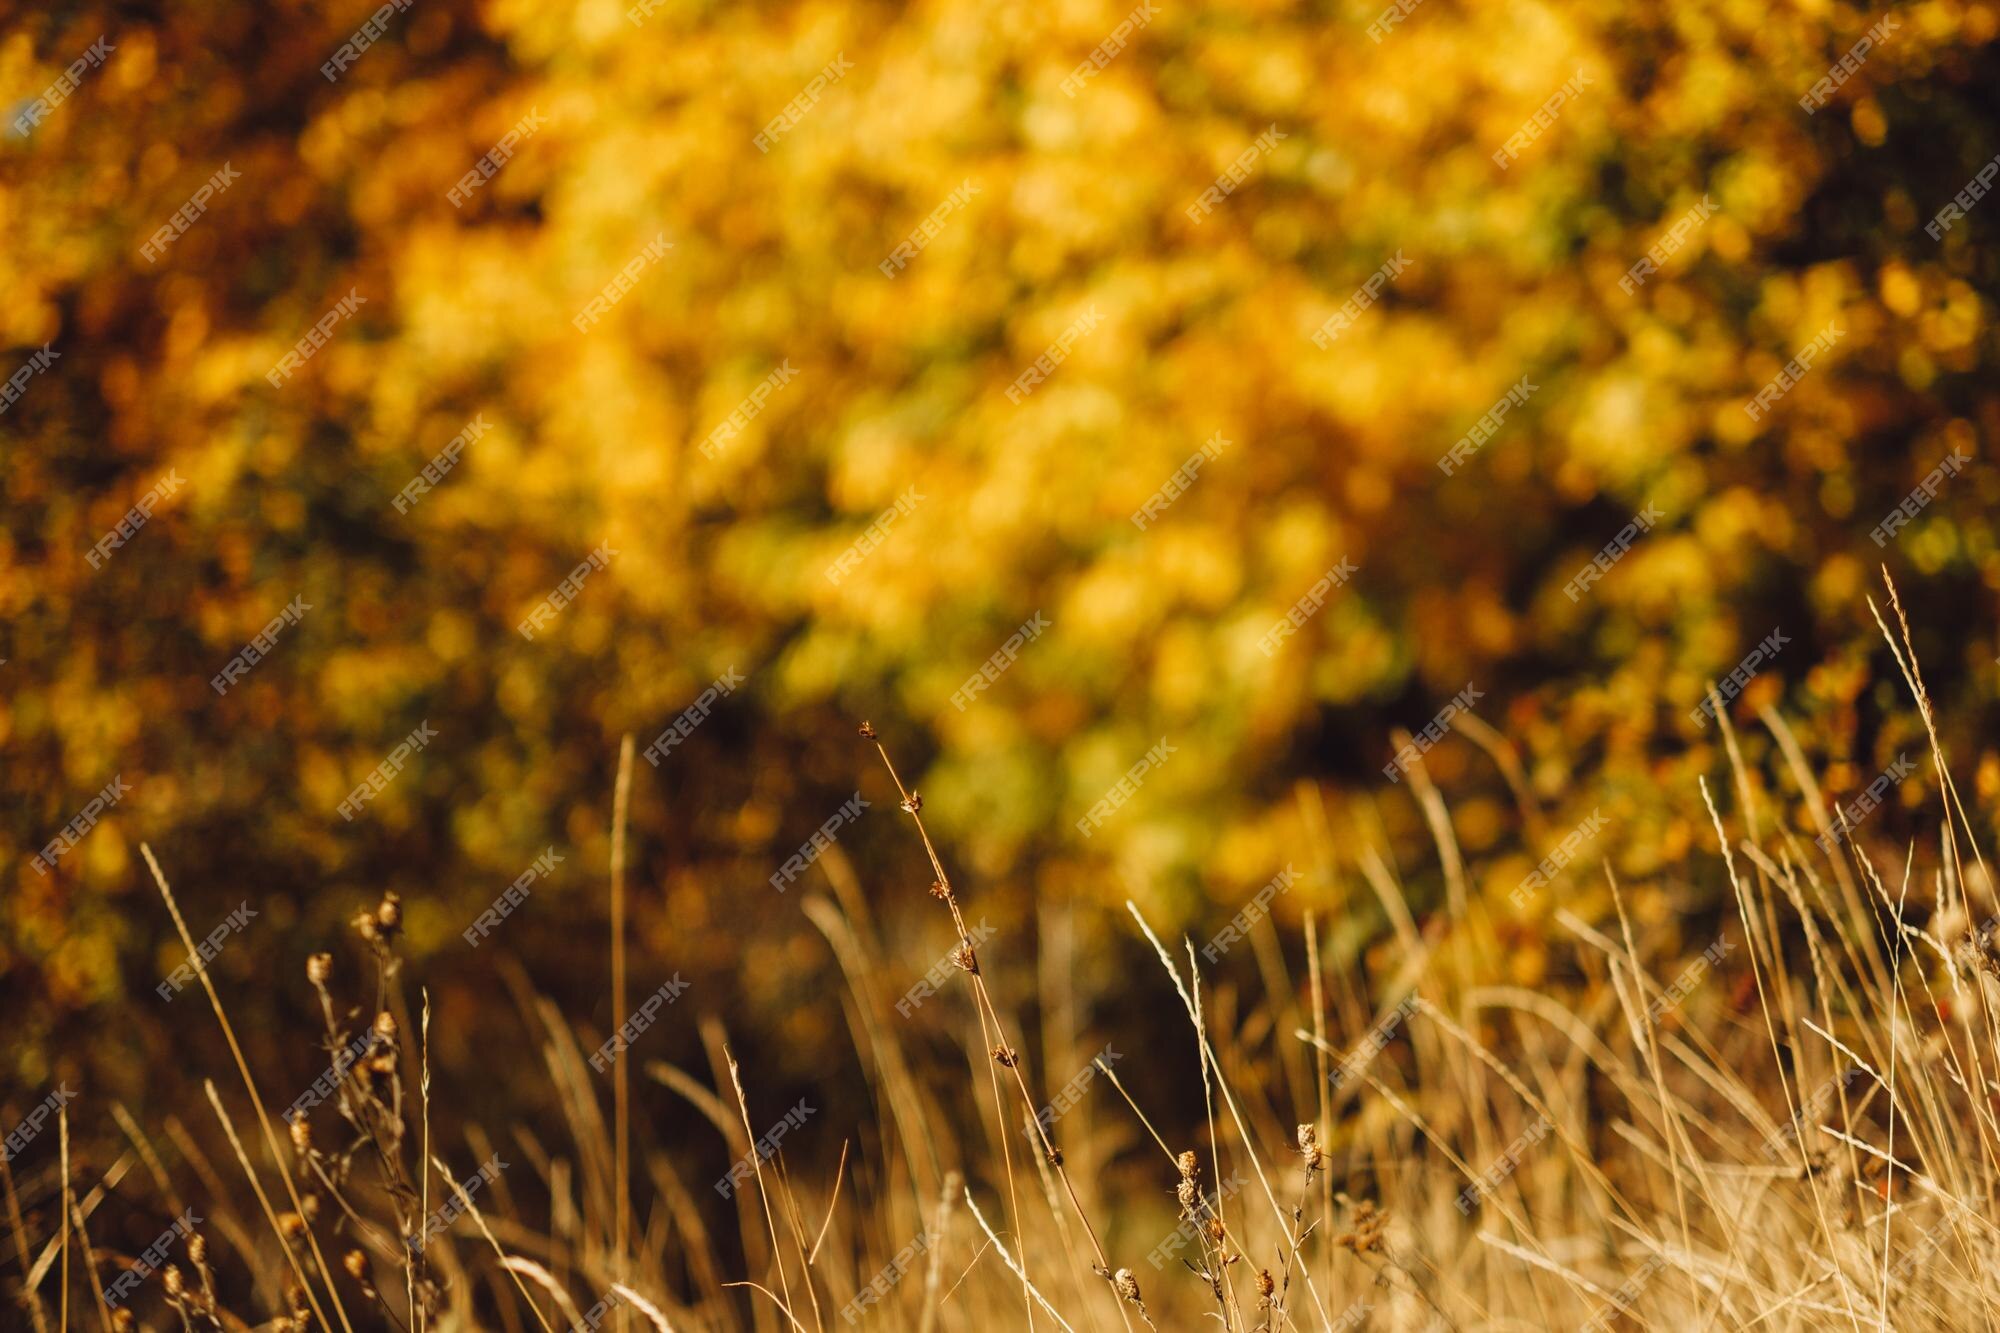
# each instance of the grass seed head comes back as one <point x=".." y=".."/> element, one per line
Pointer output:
<point x="1310" y="1149"/>
<point x="1366" y="1237"/>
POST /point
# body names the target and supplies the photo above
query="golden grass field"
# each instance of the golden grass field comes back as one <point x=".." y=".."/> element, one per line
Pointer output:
<point x="830" y="665"/>
<point x="1795" y="1128"/>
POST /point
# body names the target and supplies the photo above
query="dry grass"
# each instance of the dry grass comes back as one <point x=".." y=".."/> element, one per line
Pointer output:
<point x="1796" y="1130"/>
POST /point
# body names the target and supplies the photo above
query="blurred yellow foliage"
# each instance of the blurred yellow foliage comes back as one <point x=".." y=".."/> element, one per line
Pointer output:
<point x="1074" y="206"/>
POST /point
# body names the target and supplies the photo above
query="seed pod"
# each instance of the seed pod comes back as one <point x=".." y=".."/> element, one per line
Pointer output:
<point x="318" y="968"/>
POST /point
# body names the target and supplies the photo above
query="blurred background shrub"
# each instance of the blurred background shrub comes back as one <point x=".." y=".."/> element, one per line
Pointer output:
<point x="1069" y="202"/>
